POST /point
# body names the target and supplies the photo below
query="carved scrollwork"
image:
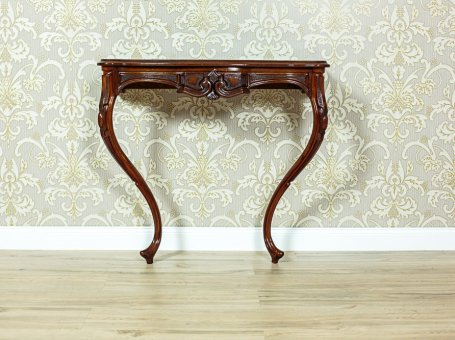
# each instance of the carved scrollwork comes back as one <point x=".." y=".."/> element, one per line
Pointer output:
<point x="321" y="103"/>
<point x="104" y="100"/>
<point x="213" y="85"/>
<point x="216" y="83"/>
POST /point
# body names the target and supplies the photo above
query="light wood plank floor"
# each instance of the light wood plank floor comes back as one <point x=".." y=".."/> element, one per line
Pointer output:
<point x="115" y="295"/>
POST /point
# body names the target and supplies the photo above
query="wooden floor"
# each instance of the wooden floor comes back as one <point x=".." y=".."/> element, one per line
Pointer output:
<point x="115" y="295"/>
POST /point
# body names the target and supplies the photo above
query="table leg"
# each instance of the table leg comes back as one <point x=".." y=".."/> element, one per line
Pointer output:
<point x="320" y="120"/>
<point x="105" y="123"/>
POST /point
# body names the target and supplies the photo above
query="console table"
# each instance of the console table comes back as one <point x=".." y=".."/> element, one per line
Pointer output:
<point x="212" y="79"/>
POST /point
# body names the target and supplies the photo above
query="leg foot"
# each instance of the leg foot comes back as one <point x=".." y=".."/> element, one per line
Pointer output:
<point x="275" y="253"/>
<point x="147" y="256"/>
<point x="276" y="256"/>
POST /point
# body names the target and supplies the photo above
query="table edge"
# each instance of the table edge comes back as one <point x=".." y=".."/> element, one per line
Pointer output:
<point x="170" y="63"/>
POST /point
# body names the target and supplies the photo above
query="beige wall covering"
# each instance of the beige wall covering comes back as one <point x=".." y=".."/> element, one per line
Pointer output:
<point x="388" y="159"/>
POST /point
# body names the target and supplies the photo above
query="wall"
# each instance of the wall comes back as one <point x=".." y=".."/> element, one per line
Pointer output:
<point x="388" y="159"/>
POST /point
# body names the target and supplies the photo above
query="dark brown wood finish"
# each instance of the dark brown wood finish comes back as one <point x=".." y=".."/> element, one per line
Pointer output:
<point x="212" y="79"/>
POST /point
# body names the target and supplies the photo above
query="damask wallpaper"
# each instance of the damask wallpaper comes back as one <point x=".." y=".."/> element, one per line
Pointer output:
<point x="389" y="155"/>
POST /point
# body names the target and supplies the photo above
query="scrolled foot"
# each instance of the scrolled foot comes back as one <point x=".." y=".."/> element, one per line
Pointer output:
<point x="276" y="256"/>
<point x="147" y="256"/>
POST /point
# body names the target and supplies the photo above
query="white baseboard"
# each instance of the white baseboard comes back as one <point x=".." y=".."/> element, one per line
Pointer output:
<point x="245" y="239"/>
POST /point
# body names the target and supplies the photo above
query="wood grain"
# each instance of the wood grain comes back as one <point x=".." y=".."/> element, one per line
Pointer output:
<point x="114" y="295"/>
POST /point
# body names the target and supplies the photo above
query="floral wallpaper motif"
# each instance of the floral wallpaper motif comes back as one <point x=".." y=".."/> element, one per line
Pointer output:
<point x="389" y="155"/>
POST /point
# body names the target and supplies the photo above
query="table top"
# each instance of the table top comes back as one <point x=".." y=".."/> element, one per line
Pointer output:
<point x="178" y="63"/>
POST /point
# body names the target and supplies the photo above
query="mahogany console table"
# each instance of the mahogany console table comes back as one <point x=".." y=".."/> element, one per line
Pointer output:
<point x="213" y="79"/>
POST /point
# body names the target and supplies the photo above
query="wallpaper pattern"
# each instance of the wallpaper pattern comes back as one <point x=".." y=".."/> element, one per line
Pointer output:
<point x="389" y="155"/>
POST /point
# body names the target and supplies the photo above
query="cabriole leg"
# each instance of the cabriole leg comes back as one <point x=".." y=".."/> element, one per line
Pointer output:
<point x="319" y="106"/>
<point x="105" y="123"/>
